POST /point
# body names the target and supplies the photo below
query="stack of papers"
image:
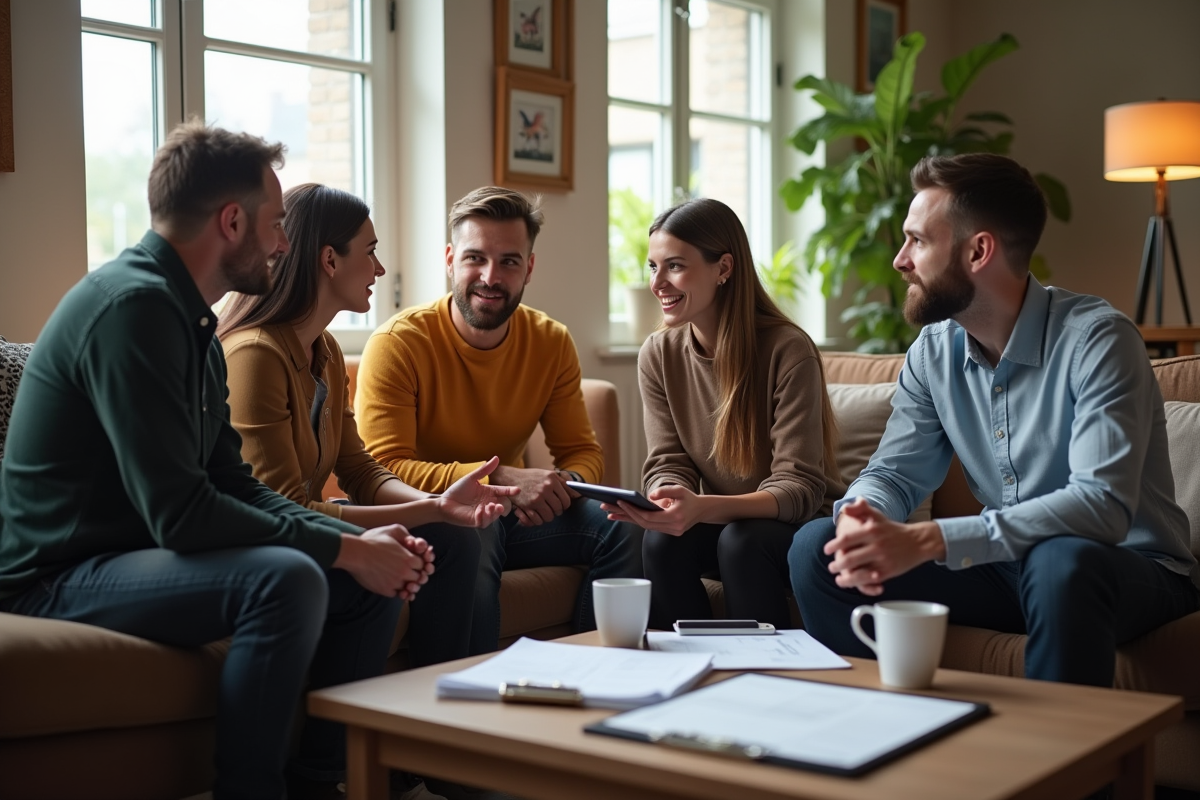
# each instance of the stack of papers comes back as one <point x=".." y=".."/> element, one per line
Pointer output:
<point x="608" y="677"/>
<point x="785" y="650"/>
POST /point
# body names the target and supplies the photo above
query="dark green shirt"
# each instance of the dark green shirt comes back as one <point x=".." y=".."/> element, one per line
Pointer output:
<point x="120" y="437"/>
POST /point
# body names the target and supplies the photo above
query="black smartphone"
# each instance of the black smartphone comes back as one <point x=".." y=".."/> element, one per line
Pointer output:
<point x="607" y="494"/>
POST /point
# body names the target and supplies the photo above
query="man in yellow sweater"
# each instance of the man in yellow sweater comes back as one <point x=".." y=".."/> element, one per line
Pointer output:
<point x="445" y="386"/>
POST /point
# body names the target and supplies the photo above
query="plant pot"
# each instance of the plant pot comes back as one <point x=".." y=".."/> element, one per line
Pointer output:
<point x="645" y="311"/>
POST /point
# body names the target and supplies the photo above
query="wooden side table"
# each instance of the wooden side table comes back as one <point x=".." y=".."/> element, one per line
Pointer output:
<point x="1167" y="341"/>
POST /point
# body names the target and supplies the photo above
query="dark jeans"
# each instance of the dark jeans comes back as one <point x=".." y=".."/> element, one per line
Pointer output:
<point x="439" y="626"/>
<point x="1077" y="599"/>
<point x="288" y="618"/>
<point x="583" y="534"/>
<point x="749" y="555"/>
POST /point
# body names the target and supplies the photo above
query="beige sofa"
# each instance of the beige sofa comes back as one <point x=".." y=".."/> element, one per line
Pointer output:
<point x="88" y="713"/>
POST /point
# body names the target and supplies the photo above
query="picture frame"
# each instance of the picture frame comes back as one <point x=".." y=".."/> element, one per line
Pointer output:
<point x="535" y="130"/>
<point x="533" y="35"/>
<point x="7" y="157"/>
<point x="880" y="24"/>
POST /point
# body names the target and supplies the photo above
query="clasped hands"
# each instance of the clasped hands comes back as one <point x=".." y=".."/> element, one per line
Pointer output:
<point x="387" y="560"/>
<point x="869" y="549"/>
<point x="539" y="495"/>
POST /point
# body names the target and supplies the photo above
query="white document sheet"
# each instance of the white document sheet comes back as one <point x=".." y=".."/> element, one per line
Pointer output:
<point x="608" y="677"/>
<point x="802" y="722"/>
<point x="785" y="650"/>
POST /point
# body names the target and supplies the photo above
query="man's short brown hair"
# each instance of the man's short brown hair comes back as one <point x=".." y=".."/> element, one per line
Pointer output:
<point x="201" y="168"/>
<point x="498" y="203"/>
<point x="988" y="192"/>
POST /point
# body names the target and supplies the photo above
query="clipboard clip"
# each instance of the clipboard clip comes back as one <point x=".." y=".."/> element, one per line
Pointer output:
<point x="710" y="744"/>
<point x="555" y="694"/>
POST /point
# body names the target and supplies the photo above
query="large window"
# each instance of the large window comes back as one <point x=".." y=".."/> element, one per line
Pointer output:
<point x="689" y="114"/>
<point x="297" y="71"/>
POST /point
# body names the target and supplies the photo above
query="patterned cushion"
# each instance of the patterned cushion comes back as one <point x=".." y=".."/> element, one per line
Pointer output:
<point x="12" y="362"/>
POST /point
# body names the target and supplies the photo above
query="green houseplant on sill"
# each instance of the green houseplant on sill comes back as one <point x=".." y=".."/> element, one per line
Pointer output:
<point x="866" y="195"/>
<point x="629" y="220"/>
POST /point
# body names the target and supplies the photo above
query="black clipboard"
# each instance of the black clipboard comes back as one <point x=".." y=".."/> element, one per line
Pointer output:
<point x="749" y="751"/>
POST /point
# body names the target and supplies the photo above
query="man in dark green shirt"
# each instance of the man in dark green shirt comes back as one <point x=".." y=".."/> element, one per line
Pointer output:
<point x="124" y="499"/>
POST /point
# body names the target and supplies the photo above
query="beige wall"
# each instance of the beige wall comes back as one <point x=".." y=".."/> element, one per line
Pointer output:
<point x="42" y="210"/>
<point x="1078" y="57"/>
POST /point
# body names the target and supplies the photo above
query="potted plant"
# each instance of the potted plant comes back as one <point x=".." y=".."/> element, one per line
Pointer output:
<point x="629" y="220"/>
<point x="866" y="194"/>
<point x="781" y="277"/>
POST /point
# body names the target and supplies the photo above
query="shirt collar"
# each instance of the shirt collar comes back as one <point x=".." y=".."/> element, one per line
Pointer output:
<point x="1028" y="335"/>
<point x="204" y="321"/>
<point x="296" y="351"/>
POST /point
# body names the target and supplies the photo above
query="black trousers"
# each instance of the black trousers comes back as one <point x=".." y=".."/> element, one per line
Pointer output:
<point x="749" y="556"/>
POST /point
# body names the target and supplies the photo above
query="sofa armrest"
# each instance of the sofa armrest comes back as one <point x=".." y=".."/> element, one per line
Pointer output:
<point x="600" y="397"/>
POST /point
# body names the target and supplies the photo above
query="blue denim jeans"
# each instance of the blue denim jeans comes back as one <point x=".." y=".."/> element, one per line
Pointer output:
<point x="1077" y="599"/>
<point x="287" y="617"/>
<point x="583" y="534"/>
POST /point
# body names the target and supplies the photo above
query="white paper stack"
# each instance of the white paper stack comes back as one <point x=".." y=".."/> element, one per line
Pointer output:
<point x="608" y="677"/>
<point x="785" y="650"/>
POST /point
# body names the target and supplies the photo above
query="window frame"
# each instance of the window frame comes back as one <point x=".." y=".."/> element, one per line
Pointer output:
<point x="179" y="42"/>
<point x="677" y="115"/>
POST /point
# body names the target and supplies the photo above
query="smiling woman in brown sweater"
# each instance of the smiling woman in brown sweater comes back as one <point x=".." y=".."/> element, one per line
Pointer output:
<point x="739" y="430"/>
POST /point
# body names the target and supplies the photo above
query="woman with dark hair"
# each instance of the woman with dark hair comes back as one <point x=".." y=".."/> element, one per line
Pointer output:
<point x="289" y="399"/>
<point x="739" y="428"/>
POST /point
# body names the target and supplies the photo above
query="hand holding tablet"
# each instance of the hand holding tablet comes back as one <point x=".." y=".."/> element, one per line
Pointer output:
<point x="608" y="494"/>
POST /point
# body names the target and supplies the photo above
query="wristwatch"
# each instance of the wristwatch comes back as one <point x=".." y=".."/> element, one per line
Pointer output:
<point x="568" y="475"/>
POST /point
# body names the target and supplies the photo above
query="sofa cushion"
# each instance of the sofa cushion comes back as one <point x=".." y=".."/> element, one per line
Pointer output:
<point x="12" y="364"/>
<point x="1178" y="378"/>
<point x="532" y="599"/>
<point x="58" y="677"/>
<point x="862" y="412"/>
<point x="1183" y="436"/>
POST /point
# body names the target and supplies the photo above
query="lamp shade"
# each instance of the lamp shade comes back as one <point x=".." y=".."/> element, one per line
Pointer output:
<point x="1142" y="138"/>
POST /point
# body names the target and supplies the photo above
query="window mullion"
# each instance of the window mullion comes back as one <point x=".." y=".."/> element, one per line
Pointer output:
<point x="681" y="138"/>
<point x="168" y="76"/>
<point x="192" y="43"/>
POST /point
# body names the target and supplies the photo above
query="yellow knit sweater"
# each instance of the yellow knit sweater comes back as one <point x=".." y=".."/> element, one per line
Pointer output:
<point x="431" y="408"/>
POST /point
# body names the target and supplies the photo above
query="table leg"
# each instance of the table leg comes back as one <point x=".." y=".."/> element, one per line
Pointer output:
<point x="1135" y="781"/>
<point x="366" y="777"/>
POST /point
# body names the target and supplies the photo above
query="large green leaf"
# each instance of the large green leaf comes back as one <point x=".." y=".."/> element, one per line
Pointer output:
<point x="959" y="73"/>
<point x="1057" y="199"/>
<point x="796" y="192"/>
<point x="893" y="86"/>
<point x="828" y="128"/>
<point x="833" y="96"/>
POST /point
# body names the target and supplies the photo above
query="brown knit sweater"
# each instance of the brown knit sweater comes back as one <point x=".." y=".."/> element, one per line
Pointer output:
<point x="680" y="399"/>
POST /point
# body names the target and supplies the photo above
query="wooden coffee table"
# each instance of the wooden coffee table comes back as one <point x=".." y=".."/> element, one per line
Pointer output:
<point x="1043" y="740"/>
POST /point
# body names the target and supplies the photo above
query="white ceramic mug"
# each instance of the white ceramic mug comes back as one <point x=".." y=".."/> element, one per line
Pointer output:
<point x="909" y="635"/>
<point x="622" y="610"/>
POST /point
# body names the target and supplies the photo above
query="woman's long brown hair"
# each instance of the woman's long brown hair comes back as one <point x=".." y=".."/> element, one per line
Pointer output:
<point x="743" y="306"/>
<point x="315" y="216"/>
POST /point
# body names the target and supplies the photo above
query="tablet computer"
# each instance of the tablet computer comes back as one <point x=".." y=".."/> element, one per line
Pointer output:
<point x="607" y="494"/>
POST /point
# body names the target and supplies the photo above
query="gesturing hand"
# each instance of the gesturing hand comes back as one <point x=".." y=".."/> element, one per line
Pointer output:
<point x="475" y="505"/>
<point x="542" y="496"/>
<point x="387" y="561"/>
<point x="870" y="549"/>
<point x="682" y="509"/>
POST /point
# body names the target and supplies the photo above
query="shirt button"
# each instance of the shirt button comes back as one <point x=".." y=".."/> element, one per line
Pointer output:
<point x="999" y="389"/>
<point x="204" y="322"/>
<point x="204" y="407"/>
<point x="999" y="434"/>
<point x="1008" y="479"/>
<point x="966" y="562"/>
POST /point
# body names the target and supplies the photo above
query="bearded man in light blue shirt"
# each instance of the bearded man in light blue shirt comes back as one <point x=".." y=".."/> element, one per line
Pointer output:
<point x="1048" y="399"/>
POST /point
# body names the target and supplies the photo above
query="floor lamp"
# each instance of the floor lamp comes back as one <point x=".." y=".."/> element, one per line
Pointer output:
<point x="1156" y="141"/>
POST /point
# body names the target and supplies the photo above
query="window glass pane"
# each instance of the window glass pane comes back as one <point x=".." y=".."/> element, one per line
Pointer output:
<point x="130" y="12"/>
<point x="636" y="159"/>
<point x="317" y="113"/>
<point x="635" y="50"/>
<point x="723" y="53"/>
<point x="328" y="27"/>
<point x="721" y="165"/>
<point x="118" y="141"/>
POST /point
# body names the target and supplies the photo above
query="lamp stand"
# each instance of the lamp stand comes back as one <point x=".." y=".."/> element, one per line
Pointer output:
<point x="1159" y="231"/>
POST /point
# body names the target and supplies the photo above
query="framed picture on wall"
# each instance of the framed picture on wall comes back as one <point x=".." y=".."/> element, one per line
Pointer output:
<point x="880" y="24"/>
<point x="535" y="130"/>
<point x="7" y="161"/>
<point x="532" y="34"/>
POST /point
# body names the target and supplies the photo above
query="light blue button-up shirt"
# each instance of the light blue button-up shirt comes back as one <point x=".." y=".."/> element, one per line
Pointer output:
<point x="1066" y="435"/>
